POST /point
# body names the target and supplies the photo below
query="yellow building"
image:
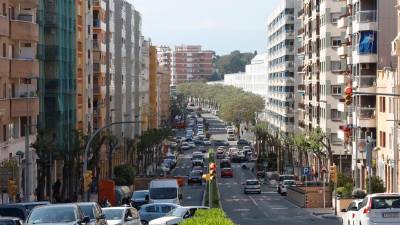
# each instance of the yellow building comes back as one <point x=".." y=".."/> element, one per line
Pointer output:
<point x="153" y="88"/>
<point x="384" y="155"/>
<point x="163" y="94"/>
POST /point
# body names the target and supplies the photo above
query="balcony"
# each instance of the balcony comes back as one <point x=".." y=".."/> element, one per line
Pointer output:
<point x="343" y="22"/>
<point x="366" y="117"/>
<point x="365" y="83"/>
<point x="24" y="106"/>
<point x="343" y="51"/>
<point x="4" y="26"/>
<point x="358" y="57"/>
<point x="4" y="67"/>
<point x="396" y="46"/>
<point x="23" y="68"/>
<point x="24" y="30"/>
<point x="4" y="109"/>
<point x="365" y="20"/>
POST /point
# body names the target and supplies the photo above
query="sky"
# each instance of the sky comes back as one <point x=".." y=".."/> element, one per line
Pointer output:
<point x="219" y="25"/>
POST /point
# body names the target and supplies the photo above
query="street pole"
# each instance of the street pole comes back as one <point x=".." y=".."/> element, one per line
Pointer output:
<point x="85" y="156"/>
<point x="209" y="194"/>
<point x="323" y="189"/>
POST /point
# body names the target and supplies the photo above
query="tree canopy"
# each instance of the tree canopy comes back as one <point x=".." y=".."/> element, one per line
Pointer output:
<point x="233" y="63"/>
<point x="235" y="105"/>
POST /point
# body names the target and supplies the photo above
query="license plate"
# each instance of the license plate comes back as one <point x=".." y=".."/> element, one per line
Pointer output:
<point x="390" y="215"/>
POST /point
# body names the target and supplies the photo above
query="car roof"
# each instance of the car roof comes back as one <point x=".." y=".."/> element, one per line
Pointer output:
<point x="86" y="203"/>
<point x="141" y="191"/>
<point x="119" y="207"/>
<point x="384" y="195"/>
<point x="9" y="218"/>
<point x="161" y="203"/>
<point x="74" y="205"/>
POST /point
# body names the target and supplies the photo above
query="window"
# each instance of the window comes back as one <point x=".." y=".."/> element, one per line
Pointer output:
<point x="382" y="104"/>
<point x="382" y="139"/>
<point x="336" y="90"/>
<point x="4" y="50"/>
<point x="336" y="115"/>
<point x="336" y="41"/>
<point x="151" y="209"/>
<point x="4" y="9"/>
<point x="335" y="17"/>
<point x="335" y="65"/>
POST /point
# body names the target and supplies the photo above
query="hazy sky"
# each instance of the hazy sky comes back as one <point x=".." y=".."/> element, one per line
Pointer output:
<point x="219" y="25"/>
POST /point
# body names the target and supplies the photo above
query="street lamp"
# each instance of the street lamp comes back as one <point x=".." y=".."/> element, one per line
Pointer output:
<point x="85" y="157"/>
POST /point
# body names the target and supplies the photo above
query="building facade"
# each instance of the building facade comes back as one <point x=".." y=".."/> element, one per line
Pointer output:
<point x="370" y="25"/>
<point x="281" y="64"/>
<point x="190" y="63"/>
<point x="164" y="55"/>
<point x="322" y="71"/>
<point x="163" y="95"/>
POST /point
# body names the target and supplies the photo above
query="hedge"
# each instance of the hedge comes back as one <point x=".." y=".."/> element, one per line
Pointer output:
<point x="208" y="217"/>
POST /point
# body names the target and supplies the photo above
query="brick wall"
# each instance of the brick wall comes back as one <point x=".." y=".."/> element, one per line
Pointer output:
<point x="309" y="197"/>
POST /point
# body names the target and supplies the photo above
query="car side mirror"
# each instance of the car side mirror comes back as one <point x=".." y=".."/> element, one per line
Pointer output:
<point x="102" y="217"/>
<point x="86" y="219"/>
<point x="343" y="210"/>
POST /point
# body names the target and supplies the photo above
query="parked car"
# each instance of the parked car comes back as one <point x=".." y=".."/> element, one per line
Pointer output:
<point x="350" y="213"/>
<point x="153" y="211"/>
<point x="177" y="215"/>
<point x="379" y="209"/>
<point x="285" y="184"/>
<point x="195" y="176"/>
<point x="14" y="210"/>
<point x="58" y="214"/>
<point x="122" y="216"/>
<point x="227" y="172"/>
<point x="252" y="186"/>
<point x="242" y="142"/>
<point x="11" y="221"/>
<point x="139" y="198"/>
<point x="94" y="212"/>
<point x="220" y="154"/>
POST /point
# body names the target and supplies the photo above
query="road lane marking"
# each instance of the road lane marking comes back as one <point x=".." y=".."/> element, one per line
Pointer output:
<point x="280" y="208"/>
<point x="254" y="201"/>
<point x="241" y="210"/>
<point x="268" y="192"/>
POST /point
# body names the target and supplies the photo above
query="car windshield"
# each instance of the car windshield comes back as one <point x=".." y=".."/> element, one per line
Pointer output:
<point x="197" y="157"/>
<point x="113" y="214"/>
<point x="252" y="182"/>
<point x="384" y="202"/>
<point x="289" y="183"/>
<point x="140" y="194"/>
<point x="178" y="212"/>
<point x="287" y="177"/>
<point x="52" y="215"/>
<point x="12" y="212"/>
<point x="195" y="173"/>
<point x="87" y="211"/>
<point x="163" y="193"/>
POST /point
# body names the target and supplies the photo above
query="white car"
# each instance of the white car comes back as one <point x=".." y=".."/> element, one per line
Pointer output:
<point x="177" y="215"/>
<point x="378" y="209"/>
<point x="350" y="212"/>
<point x="285" y="184"/>
<point x="252" y="186"/>
<point x="122" y="216"/>
<point x="192" y="144"/>
<point x="246" y="148"/>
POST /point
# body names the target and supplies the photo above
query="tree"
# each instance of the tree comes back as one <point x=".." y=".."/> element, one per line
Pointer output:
<point x="377" y="185"/>
<point x="124" y="175"/>
<point x="233" y="63"/>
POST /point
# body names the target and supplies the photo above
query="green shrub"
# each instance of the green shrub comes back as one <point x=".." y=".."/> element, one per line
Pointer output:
<point x="208" y="217"/>
<point x="124" y="175"/>
<point x="377" y="185"/>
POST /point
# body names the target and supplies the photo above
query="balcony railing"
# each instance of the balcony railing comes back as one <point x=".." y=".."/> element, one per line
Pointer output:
<point x="366" y="81"/>
<point x="366" y="113"/>
<point x="366" y="16"/>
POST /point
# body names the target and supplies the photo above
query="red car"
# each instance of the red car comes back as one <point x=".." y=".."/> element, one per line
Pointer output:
<point x="227" y="172"/>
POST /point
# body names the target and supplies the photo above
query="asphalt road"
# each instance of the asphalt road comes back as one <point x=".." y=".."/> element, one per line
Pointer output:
<point x="267" y="208"/>
<point x="192" y="194"/>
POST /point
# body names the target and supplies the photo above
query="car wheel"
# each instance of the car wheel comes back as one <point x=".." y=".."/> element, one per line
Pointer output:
<point x="144" y="222"/>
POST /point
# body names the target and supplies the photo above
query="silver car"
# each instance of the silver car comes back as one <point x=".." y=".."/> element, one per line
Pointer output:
<point x="252" y="186"/>
<point x="153" y="211"/>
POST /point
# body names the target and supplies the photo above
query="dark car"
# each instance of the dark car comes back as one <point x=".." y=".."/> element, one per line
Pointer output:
<point x="198" y="168"/>
<point x="203" y="149"/>
<point x="10" y="221"/>
<point x="58" y="214"/>
<point x="14" y="210"/>
<point x="30" y="205"/>
<point x="243" y="142"/>
<point x="94" y="212"/>
<point x="139" y="198"/>
<point x="195" y="177"/>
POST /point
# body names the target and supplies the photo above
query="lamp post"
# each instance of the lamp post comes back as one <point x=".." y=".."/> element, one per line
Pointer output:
<point x="85" y="159"/>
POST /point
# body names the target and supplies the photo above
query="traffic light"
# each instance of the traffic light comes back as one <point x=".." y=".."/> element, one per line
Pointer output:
<point x="333" y="173"/>
<point x="348" y="95"/>
<point x="213" y="171"/>
<point x="87" y="180"/>
<point x="12" y="188"/>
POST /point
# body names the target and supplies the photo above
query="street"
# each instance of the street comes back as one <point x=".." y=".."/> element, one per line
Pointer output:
<point x="267" y="208"/>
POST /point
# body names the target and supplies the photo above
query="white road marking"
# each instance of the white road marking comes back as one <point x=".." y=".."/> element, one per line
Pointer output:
<point x="189" y="197"/>
<point x="279" y="208"/>
<point x="241" y="210"/>
<point x="254" y="201"/>
<point x="268" y="192"/>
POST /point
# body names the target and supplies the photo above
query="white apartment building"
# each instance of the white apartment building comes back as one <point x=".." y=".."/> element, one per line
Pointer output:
<point x="281" y="64"/>
<point x="322" y="72"/>
<point x="254" y="80"/>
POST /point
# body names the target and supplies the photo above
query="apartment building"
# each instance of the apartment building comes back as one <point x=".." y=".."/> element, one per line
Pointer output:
<point x="164" y="55"/>
<point x="163" y="95"/>
<point x="144" y="85"/>
<point x="190" y="63"/>
<point x="84" y="65"/>
<point x="99" y="63"/>
<point x="153" y="65"/>
<point x="322" y="73"/>
<point x="281" y="64"/>
<point x="370" y="25"/>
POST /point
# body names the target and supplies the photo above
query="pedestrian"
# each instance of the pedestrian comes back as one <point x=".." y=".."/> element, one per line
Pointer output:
<point x="56" y="190"/>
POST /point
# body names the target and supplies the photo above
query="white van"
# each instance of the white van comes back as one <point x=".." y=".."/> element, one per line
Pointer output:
<point x="164" y="191"/>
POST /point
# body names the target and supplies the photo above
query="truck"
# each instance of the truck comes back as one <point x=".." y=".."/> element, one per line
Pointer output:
<point x="164" y="191"/>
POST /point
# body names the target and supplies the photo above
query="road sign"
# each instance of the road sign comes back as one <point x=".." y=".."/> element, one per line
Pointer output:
<point x="306" y="171"/>
<point x="324" y="170"/>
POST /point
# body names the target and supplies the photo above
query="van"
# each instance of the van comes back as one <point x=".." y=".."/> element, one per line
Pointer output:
<point x="164" y="191"/>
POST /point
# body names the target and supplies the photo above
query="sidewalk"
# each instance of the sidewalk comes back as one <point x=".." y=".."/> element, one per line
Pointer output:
<point x="327" y="213"/>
